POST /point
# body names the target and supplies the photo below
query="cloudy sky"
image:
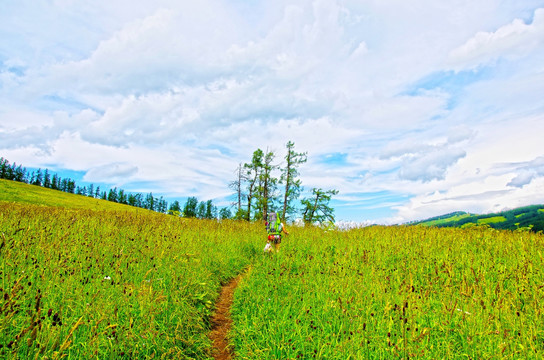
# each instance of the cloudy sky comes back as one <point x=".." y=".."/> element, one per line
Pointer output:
<point x="409" y="108"/>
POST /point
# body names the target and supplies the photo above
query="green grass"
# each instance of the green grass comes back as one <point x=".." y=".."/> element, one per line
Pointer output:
<point x="88" y="279"/>
<point x="17" y="192"/>
<point x="83" y="282"/>
<point x="492" y="220"/>
<point x="395" y="293"/>
<point x="446" y="220"/>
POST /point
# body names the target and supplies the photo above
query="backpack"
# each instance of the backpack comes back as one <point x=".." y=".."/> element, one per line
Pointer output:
<point x="273" y="225"/>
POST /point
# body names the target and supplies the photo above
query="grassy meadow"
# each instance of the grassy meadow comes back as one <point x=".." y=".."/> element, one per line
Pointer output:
<point x="115" y="283"/>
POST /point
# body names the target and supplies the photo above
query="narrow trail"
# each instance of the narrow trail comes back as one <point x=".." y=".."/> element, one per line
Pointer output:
<point x="221" y="321"/>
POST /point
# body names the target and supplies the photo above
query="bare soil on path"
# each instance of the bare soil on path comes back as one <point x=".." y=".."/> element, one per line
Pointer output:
<point x="222" y="322"/>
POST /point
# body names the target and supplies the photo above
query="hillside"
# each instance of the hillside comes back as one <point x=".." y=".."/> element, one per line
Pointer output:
<point x="523" y="217"/>
<point x="13" y="191"/>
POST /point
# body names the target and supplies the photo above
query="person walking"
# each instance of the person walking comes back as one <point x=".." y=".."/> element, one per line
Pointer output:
<point x="274" y="228"/>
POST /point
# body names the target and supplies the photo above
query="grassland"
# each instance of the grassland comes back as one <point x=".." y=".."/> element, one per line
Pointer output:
<point x="17" y="192"/>
<point x="110" y="284"/>
<point x="396" y="293"/>
<point x="89" y="284"/>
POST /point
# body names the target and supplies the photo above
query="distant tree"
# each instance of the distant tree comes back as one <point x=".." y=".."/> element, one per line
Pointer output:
<point x="241" y="214"/>
<point x="55" y="182"/>
<point x="122" y="197"/>
<point x="225" y="214"/>
<point x="201" y="210"/>
<point x="90" y="191"/>
<point x="189" y="209"/>
<point x="237" y="186"/>
<point x="20" y="174"/>
<point x="46" y="179"/>
<point x="71" y="186"/>
<point x="211" y="210"/>
<point x="3" y="167"/>
<point x="252" y="173"/>
<point x="112" y="195"/>
<point x="162" y="205"/>
<point x="265" y="196"/>
<point x="316" y="208"/>
<point x="38" y="178"/>
<point x="293" y="186"/>
<point x="97" y="192"/>
<point x="149" y="202"/>
<point x="175" y="208"/>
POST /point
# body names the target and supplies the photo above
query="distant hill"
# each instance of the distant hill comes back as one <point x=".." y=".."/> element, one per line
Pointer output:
<point x="13" y="191"/>
<point x="524" y="217"/>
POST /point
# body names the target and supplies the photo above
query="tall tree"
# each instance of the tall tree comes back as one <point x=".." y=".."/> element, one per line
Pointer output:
<point x="189" y="209"/>
<point x="252" y="172"/>
<point x="46" y="179"/>
<point x="293" y="186"/>
<point x="38" y="179"/>
<point x="237" y="186"/>
<point x="112" y="195"/>
<point x="267" y="186"/>
<point x="316" y="208"/>
<point x="211" y="210"/>
<point x="201" y="210"/>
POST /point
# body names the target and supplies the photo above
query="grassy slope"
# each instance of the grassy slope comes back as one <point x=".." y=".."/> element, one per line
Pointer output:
<point x="103" y="280"/>
<point x="524" y="217"/>
<point x="12" y="191"/>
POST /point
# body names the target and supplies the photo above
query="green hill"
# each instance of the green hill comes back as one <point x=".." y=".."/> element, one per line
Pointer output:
<point x="527" y="217"/>
<point x="13" y="191"/>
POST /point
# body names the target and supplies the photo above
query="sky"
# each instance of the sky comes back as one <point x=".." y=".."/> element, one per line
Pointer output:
<point x="410" y="109"/>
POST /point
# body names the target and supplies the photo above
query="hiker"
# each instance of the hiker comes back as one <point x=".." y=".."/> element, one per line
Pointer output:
<point x="274" y="228"/>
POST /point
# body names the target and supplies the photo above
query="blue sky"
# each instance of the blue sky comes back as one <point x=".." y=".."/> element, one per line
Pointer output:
<point x="410" y="109"/>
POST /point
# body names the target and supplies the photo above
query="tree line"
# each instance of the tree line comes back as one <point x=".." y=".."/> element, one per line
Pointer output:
<point x="263" y="186"/>
<point x="46" y="179"/>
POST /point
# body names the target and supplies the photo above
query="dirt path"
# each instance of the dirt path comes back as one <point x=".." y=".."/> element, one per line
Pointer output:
<point x="221" y="321"/>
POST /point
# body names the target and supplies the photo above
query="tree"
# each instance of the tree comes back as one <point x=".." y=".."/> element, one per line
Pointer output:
<point x="38" y="178"/>
<point x="252" y="172"/>
<point x="267" y="187"/>
<point x="225" y="214"/>
<point x="293" y="186"/>
<point x="316" y="208"/>
<point x="46" y="179"/>
<point x="112" y="195"/>
<point x="122" y="197"/>
<point x="201" y="210"/>
<point x="189" y="209"/>
<point x="211" y="210"/>
<point x="237" y="186"/>
<point x="150" y="202"/>
<point x="175" y="208"/>
<point x="55" y="182"/>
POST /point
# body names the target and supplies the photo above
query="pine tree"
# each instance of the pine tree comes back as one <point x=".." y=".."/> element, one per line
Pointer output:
<point x="252" y="173"/>
<point x="293" y="186"/>
<point x="189" y="209"/>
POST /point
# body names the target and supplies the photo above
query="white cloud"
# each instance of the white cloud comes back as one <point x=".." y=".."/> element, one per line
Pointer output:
<point x="516" y="39"/>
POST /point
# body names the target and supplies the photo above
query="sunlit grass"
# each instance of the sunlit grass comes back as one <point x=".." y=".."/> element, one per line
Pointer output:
<point x="90" y="284"/>
<point x="395" y="292"/>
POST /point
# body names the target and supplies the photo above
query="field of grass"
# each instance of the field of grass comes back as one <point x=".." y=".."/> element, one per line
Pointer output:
<point x="112" y="285"/>
<point x="446" y="220"/>
<point x="117" y="284"/>
<point x="18" y="192"/>
<point x="492" y="220"/>
<point x="395" y="293"/>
